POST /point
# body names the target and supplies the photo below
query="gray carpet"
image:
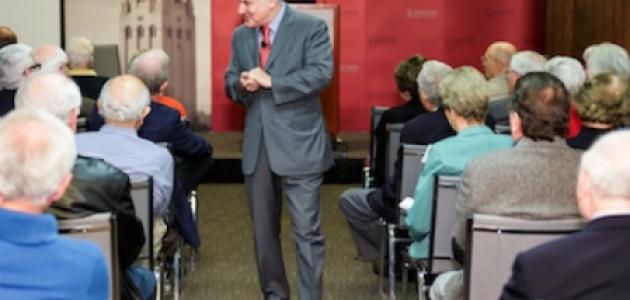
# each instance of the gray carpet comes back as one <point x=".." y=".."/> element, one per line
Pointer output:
<point x="226" y="266"/>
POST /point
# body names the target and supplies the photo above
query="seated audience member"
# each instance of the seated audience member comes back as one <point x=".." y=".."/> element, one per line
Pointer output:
<point x="465" y="100"/>
<point x="16" y="63"/>
<point x="625" y="110"/>
<point x="363" y="207"/>
<point x="37" y="154"/>
<point x="599" y="106"/>
<point x="571" y="72"/>
<point x="81" y="63"/>
<point x="96" y="185"/>
<point x="7" y="36"/>
<point x="164" y="125"/>
<point x="534" y="180"/>
<point x="606" y="57"/>
<point x="521" y="63"/>
<point x="193" y="153"/>
<point x="590" y="264"/>
<point x="496" y="61"/>
<point x="124" y="104"/>
<point x="52" y="58"/>
<point x="405" y="74"/>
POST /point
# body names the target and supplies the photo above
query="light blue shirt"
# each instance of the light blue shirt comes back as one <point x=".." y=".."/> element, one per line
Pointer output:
<point x="137" y="157"/>
<point x="273" y="26"/>
<point x="446" y="157"/>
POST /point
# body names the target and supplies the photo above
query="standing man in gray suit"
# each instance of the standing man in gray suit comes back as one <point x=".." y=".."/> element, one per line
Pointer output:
<point x="281" y="60"/>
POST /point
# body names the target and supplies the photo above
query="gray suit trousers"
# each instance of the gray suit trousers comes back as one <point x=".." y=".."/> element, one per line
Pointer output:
<point x="264" y="193"/>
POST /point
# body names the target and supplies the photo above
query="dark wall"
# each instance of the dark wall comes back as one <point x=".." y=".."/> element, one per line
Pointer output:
<point x="573" y="25"/>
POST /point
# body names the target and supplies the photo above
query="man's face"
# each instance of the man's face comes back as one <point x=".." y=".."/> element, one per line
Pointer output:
<point x="489" y="65"/>
<point x="256" y="12"/>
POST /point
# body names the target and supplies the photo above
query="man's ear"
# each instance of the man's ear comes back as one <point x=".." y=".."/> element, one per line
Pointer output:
<point x="516" y="126"/>
<point x="61" y="188"/>
<point x="163" y="86"/>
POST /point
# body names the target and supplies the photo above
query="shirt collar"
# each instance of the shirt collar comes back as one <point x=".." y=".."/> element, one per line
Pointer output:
<point x="119" y="130"/>
<point x="474" y="130"/>
<point x="275" y="23"/>
<point x="25" y="228"/>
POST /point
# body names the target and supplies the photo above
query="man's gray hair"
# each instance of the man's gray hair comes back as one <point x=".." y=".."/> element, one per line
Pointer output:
<point x="51" y="57"/>
<point x="38" y="152"/>
<point x="429" y="79"/>
<point x="52" y="92"/>
<point x="124" y="98"/>
<point x="14" y="60"/>
<point x="528" y="61"/>
<point x="569" y="70"/>
<point x="608" y="164"/>
<point x="80" y="53"/>
<point x="152" y="67"/>
<point x="606" y="57"/>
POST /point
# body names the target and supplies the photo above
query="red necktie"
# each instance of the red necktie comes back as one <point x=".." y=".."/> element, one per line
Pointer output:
<point x="265" y="45"/>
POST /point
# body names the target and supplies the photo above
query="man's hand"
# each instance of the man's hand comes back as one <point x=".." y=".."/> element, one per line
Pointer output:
<point x="261" y="77"/>
<point x="248" y="82"/>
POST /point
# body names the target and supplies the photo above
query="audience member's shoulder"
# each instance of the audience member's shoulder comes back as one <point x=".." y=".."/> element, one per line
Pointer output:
<point x="94" y="168"/>
<point x="80" y="249"/>
<point x="164" y="112"/>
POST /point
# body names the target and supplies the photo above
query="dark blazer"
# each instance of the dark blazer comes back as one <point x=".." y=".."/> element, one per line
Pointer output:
<point x="586" y="137"/>
<point x="499" y="110"/>
<point x="100" y="187"/>
<point x="591" y="264"/>
<point x="164" y="125"/>
<point x="398" y="114"/>
<point x="424" y="129"/>
<point x="289" y="115"/>
<point x="7" y="101"/>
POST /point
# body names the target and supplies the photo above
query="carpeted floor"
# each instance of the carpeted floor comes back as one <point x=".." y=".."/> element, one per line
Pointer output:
<point x="226" y="266"/>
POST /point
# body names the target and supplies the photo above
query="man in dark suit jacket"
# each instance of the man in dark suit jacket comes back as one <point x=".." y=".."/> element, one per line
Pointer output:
<point x="363" y="207"/>
<point x="281" y="61"/>
<point x="590" y="264"/>
<point x="405" y="74"/>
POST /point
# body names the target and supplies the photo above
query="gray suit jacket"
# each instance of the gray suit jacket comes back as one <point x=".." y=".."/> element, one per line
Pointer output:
<point x="289" y="115"/>
<point x="533" y="180"/>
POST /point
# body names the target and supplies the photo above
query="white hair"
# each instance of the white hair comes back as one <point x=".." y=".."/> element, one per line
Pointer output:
<point x="14" y="60"/>
<point x="52" y="92"/>
<point x="608" y="164"/>
<point x="606" y="57"/>
<point x="429" y="79"/>
<point x="51" y="57"/>
<point x="80" y="52"/>
<point x="124" y="98"/>
<point x="37" y="153"/>
<point x="152" y="67"/>
<point x="569" y="70"/>
<point x="528" y="61"/>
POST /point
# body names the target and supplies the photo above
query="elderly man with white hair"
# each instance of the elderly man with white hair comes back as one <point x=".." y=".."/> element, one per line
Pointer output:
<point x="96" y="186"/>
<point x="521" y="63"/>
<point x="571" y="72"/>
<point x="52" y="58"/>
<point x="564" y="268"/>
<point x="363" y="208"/>
<point x="37" y="154"/>
<point x="606" y="57"/>
<point x="124" y="104"/>
<point x="81" y="63"/>
<point x="496" y="61"/>
<point x="16" y="63"/>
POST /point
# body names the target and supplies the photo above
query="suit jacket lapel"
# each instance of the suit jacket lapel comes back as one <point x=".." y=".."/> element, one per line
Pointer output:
<point x="282" y="36"/>
<point x="252" y="47"/>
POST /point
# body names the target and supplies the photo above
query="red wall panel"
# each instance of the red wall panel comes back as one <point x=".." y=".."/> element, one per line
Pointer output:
<point x="376" y="35"/>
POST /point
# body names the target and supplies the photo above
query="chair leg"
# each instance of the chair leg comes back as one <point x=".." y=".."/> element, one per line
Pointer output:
<point x="392" y="262"/>
<point x="405" y="280"/>
<point x="176" y="272"/>
<point x="420" y="281"/>
<point x="381" y="274"/>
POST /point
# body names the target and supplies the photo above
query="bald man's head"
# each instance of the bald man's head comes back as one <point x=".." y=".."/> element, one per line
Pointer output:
<point x="496" y="59"/>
